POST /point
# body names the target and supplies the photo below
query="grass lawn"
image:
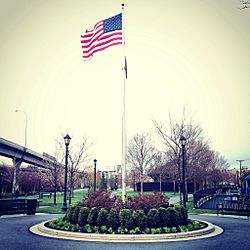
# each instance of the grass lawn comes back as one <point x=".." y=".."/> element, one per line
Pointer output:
<point x="47" y="204"/>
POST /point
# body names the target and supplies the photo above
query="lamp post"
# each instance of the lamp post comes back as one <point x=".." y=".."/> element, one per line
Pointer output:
<point x="26" y="125"/>
<point x="67" y="139"/>
<point x="240" y="161"/>
<point x="183" y="142"/>
<point x="95" y="174"/>
<point x="205" y="186"/>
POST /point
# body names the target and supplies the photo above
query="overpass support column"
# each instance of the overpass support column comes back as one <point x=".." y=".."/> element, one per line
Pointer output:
<point x="16" y="164"/>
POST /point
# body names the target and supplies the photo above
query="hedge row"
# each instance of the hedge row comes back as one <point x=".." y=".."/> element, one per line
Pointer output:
<point x="67" y="226"/>
<point x="172" y="216"/>
<point x="108" y="200"/>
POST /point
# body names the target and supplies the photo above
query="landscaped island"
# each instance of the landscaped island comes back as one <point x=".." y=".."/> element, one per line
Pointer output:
<point x="105" y="213"/>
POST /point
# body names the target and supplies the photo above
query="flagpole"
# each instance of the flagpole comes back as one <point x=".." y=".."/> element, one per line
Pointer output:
<point x="124" y="127"/>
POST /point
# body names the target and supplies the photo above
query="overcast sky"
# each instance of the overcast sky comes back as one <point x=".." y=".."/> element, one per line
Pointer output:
<point x="189" y="53"/>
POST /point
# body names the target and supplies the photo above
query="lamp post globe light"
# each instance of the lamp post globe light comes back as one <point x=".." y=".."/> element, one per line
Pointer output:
<point x="95" y="174"/>
<point x="183" y="142"/>
<point x="67" y="139"/>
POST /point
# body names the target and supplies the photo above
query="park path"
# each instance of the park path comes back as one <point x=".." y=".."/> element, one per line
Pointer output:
<point x="175" y="199"/>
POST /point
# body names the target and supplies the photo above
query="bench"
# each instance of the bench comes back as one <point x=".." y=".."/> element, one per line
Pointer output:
<point x="13" y="206"/>
<point x="42" y="195"/>
<point x="234" y="206"/>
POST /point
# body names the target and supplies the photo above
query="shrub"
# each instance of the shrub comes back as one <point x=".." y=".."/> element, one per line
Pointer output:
<point x="172" y="217"/>
<point x="92" y="217"/>
<point x="83" y="216"/>
<point x="125" y="217"/>
<point x="102" y="217"/>
<point x="183" y="229"/>
<point x="182" y="216"/>
<point x="104" y="228"/>
<point x="139" y="219"/>
<point x="69" y="213"/>
<point x="113" y="219"/>
<point x="152" y="218"/>
<point x="102" y="200"/>
<point x="88" y="228"/>
<point x="96" y="229"/>
<point x="146" y="202"/>
<point x="156" y="230"/>
<point x="190" y="227"/>
<point x="173" y="230"/>
<point x="74" y="218"/>
<point x="166" y="229"/>
<point x="110" y="230"/>
<point x="163" y="217"/>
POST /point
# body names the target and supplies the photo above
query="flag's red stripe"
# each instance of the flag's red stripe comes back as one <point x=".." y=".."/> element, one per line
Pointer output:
<point x="101" y="37"/>
<point x="102" y="43"/>
<point x="100" y="49"/>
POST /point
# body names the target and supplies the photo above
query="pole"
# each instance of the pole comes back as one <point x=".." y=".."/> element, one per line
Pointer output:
<point x="183" y="177"/>
<point x="240" y="161"/>
<point x="64" y="208"/>
<point x="124" y="134"/>
<point x="95" y="174"/>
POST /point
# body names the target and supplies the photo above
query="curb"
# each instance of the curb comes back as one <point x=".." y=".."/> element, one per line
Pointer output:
<point x="210" y="231"/>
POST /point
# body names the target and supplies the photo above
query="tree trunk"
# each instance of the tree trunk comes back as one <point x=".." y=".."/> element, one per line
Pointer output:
<point x="55" y="196"/>
<point x="160" y="184"/>
<point x="141" y="184"/>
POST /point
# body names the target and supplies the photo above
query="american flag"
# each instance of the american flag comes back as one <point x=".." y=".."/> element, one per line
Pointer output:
<point x="105" y="33"/>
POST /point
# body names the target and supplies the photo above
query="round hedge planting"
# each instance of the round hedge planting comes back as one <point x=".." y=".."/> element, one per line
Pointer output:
<point x="104" y="213"/>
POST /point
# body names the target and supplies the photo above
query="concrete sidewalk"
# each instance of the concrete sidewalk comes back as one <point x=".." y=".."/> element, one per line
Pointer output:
<point x="176" y="199"/>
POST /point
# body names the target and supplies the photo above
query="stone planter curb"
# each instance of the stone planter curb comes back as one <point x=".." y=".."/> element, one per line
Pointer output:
<point x="209" y="231"/>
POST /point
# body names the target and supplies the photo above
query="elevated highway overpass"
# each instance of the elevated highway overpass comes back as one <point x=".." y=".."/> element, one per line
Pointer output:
<point x="20" y="154"/>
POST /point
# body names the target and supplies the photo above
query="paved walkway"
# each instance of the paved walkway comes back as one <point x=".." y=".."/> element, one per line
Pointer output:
<point x="176" y="198"/>
<point x="14" y="234"/>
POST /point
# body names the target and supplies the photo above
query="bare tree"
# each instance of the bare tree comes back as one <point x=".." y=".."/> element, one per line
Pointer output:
<point x="78" y="157"/>
<point x="170" y="134"/>
<point x="140" y="154"/>
<point x="55" y="168"/>
<point x="244" y="4"/>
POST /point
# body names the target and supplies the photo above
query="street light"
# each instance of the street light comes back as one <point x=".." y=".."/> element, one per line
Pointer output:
<point x="95" y="174"/>
<point x="205" y="186"/>
<point x="240" y="161"/>
<point x="26" y="124"/>
<point x="183" y="142"/>
<point x="67" y="139"/>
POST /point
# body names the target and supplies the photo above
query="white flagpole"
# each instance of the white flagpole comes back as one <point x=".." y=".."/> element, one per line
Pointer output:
<point x="124" y="127"/>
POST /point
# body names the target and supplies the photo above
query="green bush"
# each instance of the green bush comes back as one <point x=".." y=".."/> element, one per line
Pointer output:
<point x="92" y="217"/>
<point x="69" y="213"/>
<point x="172" y="217"/>
<point x="88" y="228"/>
<point x="102" y="217"/>
<point x="139" y="219"/>
<point x="126" y="221"/>
<point x="166" y="229"/>
<point x="110" y="230"/>
<point x="163" y="217"/>
<point x="96" y="229"/>
<point x="183" y="229"/>
<point x="153" y="218"/>
<point x="83" y="216"/>
<point x="74" y="218"/>
<point x="104" y="229"/>
<point x="113" y="219"/>
<point x="173" y="230"/>
<point x="182" y="216"/>
<point x="157" y="230"/>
